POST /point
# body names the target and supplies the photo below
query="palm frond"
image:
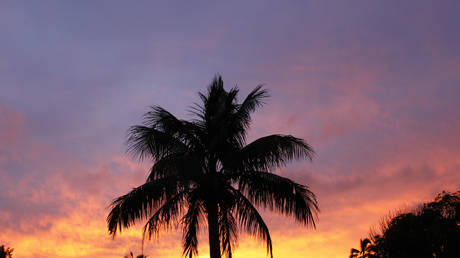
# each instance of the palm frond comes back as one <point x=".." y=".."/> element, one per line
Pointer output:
<point x="250" y="219"/>
<point x="168" y="212"/>
<point x="227" y="230"/>
<point x="147" y="142"/>
<point x="272" y="151"/>
<point x="250" y="104"/>
<point x="240" y="118"/>
<point x="139" y="203"/>
<point x="279" y="194"/>
<point x="163" y="120"/>
<point x="354" y="253"/>
<point x="191" y="222"/>
<point x="365" y="244"/>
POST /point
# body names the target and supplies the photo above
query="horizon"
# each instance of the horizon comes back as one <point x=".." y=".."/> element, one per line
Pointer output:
<point x="374" y="87"/>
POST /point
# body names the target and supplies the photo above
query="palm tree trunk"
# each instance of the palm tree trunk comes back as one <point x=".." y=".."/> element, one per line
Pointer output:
<point x="213" y="227"/>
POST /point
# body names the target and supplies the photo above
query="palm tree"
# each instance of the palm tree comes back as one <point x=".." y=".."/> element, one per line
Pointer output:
<point x="366" y="249"/>
<point x="6" y="253"/>
<point x="203" y="171"/>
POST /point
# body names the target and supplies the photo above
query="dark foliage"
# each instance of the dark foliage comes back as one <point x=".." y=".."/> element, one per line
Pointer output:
<point x="366" y="249"/>
<point x="431" y="231"/>
<point x="204" y="172"/>
<point x="6" y="252"/>
<point x="131" y="255"/>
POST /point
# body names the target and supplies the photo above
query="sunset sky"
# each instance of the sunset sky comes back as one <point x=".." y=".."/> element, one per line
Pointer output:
<point x="373" y="86"/>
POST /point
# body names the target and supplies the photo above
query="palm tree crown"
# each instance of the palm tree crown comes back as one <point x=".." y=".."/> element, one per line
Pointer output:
<point x="204" y="171"/>
<point x="6" y="253"/>
<point x="367" y="249"/>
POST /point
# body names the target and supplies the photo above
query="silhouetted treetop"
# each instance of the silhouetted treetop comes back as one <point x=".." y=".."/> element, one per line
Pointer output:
<point x="204" y="173"/>
<point x="431" y="231"/>
<point x="6" y="252"/>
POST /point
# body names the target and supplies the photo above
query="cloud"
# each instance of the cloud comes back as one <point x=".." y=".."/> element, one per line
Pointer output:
<point x="52" y="204"/>
<point x="373" y="87"/>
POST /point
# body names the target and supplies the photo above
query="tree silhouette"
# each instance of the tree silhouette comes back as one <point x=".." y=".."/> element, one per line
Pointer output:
<point x="203" y="171"/>
<point x="131" y="255"/>
<point x="431" y="231"/>
<point x="6" y="253"/>
<point x="366" y="249"/>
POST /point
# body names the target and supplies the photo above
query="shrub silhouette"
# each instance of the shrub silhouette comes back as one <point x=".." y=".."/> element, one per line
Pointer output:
<point x="431" y="231"/>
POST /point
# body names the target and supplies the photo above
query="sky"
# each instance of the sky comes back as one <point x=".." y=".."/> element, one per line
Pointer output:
<point x="373" y="86"/>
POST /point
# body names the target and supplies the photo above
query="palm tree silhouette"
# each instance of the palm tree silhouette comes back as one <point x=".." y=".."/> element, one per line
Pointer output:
<point x="6" y="253"/>
<point x="366" y="249"/>
<point x="203" y="171"/>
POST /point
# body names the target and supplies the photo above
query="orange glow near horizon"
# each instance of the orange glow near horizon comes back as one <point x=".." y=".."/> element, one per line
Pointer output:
<point x="350" y="204"/>
<point x="80" y="229"/>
